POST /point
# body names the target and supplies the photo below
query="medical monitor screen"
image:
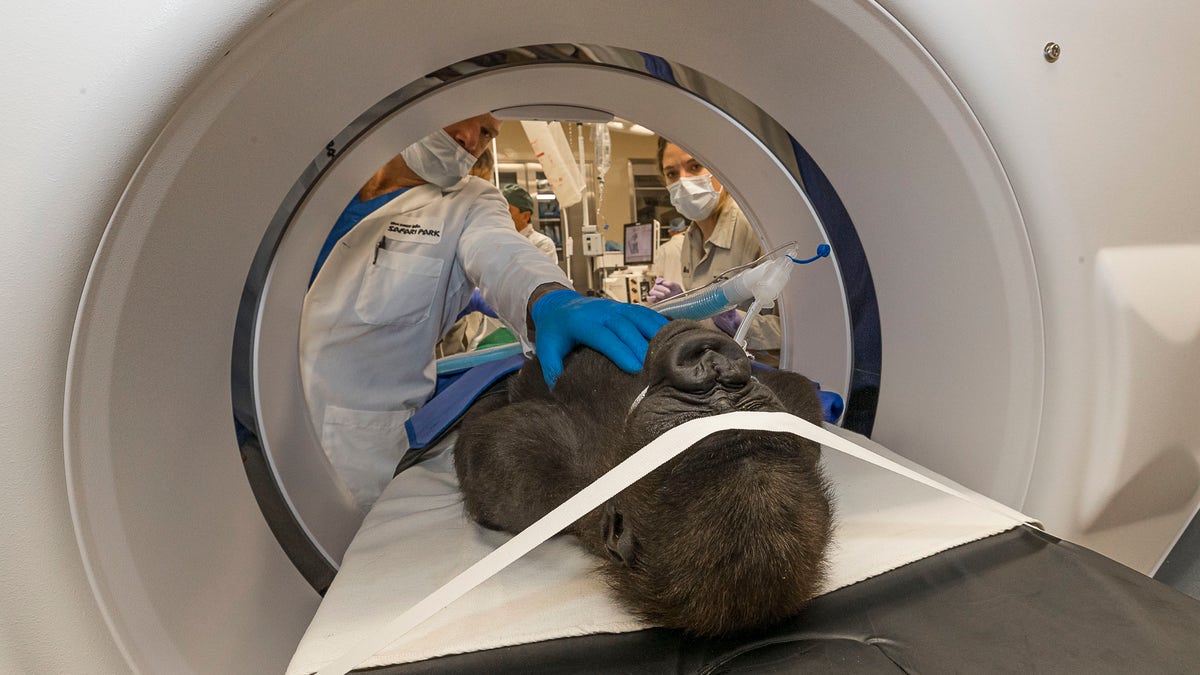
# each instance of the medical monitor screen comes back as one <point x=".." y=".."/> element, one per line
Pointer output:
<point x="639" y="244"/>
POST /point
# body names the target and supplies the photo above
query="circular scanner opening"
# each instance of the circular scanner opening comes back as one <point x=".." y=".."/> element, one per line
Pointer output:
<point x="767" y="172"/>
<point x="176" y="551"/>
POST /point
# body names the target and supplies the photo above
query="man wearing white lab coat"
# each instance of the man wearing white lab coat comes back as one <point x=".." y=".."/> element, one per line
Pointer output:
<point x="394" y="283"/>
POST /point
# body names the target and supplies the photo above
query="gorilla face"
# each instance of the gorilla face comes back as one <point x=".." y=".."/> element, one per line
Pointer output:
<point x="693" y="372"/>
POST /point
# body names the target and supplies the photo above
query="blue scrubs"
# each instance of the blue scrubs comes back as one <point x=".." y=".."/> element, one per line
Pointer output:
<point x="354" y="212"/>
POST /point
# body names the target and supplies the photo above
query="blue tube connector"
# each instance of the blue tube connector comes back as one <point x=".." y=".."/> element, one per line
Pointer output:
<point x="822" y="251"/>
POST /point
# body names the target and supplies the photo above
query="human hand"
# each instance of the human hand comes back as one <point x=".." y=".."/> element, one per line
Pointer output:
<point x="477" y="304"/>
<point x="728" y="321"/>
<point x="563" y="319"/>
<point x="662" y="290"/>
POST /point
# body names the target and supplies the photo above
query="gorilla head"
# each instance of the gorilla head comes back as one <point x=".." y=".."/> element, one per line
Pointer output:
<point x="729" y="535"/>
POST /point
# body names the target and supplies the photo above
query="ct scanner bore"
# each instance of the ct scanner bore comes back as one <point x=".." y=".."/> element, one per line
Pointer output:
<point x="139" y="543"/>
<point x="839" y="343"/>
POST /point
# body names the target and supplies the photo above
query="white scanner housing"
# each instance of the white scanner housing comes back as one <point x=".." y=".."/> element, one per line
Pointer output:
<point x="1032" y="229"/>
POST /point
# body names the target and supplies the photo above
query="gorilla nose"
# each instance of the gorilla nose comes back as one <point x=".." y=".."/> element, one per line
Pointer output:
<point x="706" y="359"/>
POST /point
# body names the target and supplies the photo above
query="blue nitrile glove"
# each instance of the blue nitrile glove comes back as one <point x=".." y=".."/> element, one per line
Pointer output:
<point x="563" y="319"/>
<point x="477" y="304"/>
<point x="728" y="321"/>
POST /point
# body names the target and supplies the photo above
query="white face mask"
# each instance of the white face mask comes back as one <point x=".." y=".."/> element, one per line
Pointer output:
<point x="694" y="196"/>
<point x="439" y="159"/>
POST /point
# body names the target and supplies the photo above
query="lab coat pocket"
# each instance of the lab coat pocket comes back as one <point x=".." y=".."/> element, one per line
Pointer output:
<point x="398" y="288"/>
<point x="364" y="447"/>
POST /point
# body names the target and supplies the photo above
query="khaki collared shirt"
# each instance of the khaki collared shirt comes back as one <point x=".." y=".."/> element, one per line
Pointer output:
<point x="733" y="243"/>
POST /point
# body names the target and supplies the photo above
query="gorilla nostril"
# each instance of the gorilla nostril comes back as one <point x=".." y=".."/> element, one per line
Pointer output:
<point x="691" y="370"/>
<point x="715" y="363"/>
<point x="725" y="370"/>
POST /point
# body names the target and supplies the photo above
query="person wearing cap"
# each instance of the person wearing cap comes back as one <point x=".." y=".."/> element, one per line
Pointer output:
<point x="395" y="271"/>
<point x="520" y="207"/>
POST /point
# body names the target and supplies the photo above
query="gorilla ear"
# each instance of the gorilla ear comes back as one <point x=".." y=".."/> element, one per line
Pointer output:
<point x="618" y="536"/>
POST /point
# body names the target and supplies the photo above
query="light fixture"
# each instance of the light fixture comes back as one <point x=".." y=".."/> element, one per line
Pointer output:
<point x="623" y="125"/>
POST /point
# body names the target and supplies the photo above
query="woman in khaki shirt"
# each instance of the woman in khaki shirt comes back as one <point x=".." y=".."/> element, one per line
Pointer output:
<point x="719" y="238"/>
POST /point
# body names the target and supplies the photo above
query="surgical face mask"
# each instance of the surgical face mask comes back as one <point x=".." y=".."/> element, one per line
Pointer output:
<point x="694" y="196"/>
<point x="439" y="159"/>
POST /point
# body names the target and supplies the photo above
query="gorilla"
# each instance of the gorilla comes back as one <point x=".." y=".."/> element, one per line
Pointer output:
<point x="728" y="536"/>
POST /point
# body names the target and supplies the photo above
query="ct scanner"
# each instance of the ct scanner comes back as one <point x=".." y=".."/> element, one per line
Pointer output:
<point x="1029" y="220"/>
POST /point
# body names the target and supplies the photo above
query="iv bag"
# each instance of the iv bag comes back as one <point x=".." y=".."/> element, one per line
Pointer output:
<point x="602" y="149"/>
<point x="552" y="150"/>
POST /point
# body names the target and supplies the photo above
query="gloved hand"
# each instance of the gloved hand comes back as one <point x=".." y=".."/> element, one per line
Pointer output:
<point x="477" y="304"/>
<point x="662" y="290"/>
<point x="728" y="321"/>
<point x="563" y="319"/>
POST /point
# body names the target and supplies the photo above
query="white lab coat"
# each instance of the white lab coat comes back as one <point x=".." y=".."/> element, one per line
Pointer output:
<point x="668" y="261"/>
<point x="389" y="289"/>
<point x="542" y="242"/>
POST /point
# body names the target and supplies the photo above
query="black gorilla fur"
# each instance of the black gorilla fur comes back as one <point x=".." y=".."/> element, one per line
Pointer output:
<point x="729" y="535"/>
